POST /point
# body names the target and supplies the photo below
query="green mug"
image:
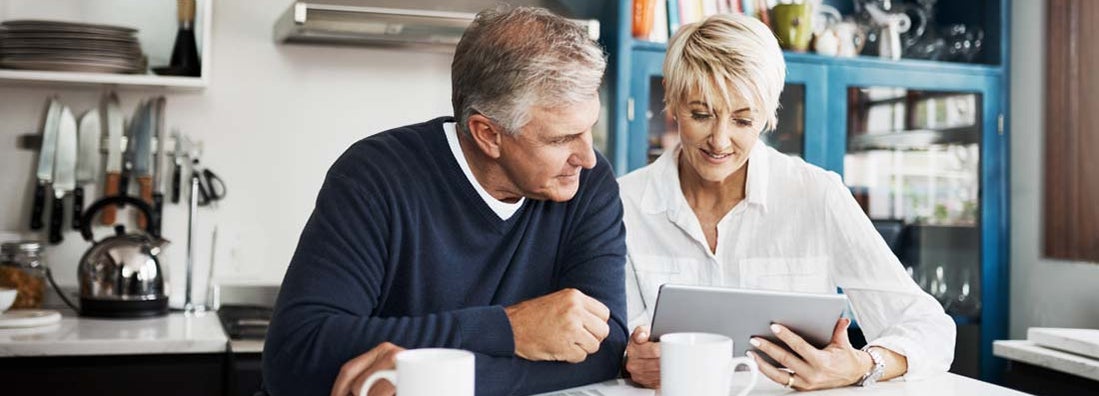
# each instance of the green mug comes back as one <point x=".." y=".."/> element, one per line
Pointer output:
<point x="793" y="24"/>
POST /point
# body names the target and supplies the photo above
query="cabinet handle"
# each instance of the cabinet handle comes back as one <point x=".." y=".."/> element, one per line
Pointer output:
<point x="629" y="109"/>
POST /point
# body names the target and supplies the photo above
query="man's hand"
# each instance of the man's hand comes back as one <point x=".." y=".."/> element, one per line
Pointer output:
<point x="563" y="326"/>
<point x="643" y="359"/>
<point x="354" y="373"/>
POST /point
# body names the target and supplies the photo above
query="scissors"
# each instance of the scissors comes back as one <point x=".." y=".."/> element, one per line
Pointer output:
<point x="210" y="186"/>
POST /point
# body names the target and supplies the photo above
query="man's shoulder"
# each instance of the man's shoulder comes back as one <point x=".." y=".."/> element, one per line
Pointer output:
<point x="396" y="150"/>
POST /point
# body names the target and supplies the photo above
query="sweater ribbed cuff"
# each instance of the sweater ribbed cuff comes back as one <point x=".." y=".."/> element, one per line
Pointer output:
<point x="486" y="330"/>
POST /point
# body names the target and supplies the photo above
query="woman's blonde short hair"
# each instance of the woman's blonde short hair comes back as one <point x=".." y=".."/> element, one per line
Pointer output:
<point x="723" y="54"/>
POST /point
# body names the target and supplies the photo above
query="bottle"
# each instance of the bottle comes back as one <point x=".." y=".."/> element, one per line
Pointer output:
<point x="22" y="269"/>
<point x="185" y="61"/>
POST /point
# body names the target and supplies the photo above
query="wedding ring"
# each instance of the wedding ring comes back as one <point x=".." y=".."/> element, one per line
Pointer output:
<point x="790" y="382"/>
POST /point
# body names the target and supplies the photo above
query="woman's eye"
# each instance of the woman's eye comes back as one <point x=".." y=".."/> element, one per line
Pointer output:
<point x="743" y="123"/>
<point x="700" y="116"/>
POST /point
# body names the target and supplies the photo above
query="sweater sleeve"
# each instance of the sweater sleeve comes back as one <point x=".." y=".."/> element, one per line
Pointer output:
<point x="592" y="261"/>
<point x="323" y="316"/>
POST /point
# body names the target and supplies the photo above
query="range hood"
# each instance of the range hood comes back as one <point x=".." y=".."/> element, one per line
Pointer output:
<point x="353" y="24"/>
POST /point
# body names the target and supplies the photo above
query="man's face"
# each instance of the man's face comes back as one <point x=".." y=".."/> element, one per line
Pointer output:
<point x="544" y="161"/>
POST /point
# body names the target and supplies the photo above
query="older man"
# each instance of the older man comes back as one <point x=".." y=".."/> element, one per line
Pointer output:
<point x="498" y="231"/>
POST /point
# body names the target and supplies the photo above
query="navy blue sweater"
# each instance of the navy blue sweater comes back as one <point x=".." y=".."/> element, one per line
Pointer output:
<point x="401" y="248"/>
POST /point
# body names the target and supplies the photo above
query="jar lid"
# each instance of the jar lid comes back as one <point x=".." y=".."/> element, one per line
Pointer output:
<point x="13" y="247"/>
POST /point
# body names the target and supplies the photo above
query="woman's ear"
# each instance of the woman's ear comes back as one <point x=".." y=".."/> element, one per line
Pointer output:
<point x="486" y="135"/>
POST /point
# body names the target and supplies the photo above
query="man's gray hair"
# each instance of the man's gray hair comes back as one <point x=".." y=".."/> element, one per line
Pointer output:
<point x="510" y="60"/>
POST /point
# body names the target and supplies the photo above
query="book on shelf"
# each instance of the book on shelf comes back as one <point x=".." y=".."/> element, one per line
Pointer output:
<point x="657" y="20"/>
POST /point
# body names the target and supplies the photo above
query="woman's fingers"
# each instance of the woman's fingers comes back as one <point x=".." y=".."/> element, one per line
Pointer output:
<point x="779" y="376"/>
<point x="781" y="355"/>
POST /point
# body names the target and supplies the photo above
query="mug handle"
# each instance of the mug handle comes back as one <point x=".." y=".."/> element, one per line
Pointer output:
<point x="391" y="376"/>
<point x="737" y="362"/>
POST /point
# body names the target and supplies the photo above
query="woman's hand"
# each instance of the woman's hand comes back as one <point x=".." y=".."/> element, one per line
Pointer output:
<point x="838" y="364"/>
<point x="643" y="359"/>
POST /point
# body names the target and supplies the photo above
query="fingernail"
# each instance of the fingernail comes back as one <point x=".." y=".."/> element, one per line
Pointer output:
<point x="754" y="341"/>
<point x="750" y="354"/>
<point x="776" y="328"/>
<point x="644" y="336"/>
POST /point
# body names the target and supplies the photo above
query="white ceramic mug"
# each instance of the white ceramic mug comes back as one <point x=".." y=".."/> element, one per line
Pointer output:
<point x="429" y="372"/>
<point x="700" y="364"/>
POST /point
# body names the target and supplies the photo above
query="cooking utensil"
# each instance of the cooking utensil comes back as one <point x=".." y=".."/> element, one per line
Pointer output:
<point x="45" y="161"/>
<point x="87" y="160"/>
<point x="142" y="154"/>
<point x="114" y="126"/>
<point x="121" y="276"/>
<point x="177" y="169"/>
<point x="64" y="171"/>
<point x="158" y="163"/>
<point x="192" y="213"/>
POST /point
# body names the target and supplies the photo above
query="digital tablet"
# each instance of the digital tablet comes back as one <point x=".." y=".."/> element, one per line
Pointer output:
<point x="741" y="314"/>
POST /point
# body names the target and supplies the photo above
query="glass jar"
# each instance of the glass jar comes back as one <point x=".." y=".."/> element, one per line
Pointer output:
<point x="21" y="268"/>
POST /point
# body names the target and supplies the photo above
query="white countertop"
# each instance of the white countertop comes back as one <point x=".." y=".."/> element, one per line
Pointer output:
<point x="174" y="333"/>
<point x="1078" y="341"/>
<point x="945" y="384"/>
<point x="1028" y="352"/>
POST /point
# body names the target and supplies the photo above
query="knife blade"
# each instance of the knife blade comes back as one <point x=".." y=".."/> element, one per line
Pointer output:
<point x="64" y="171"/>
<point x="87" y="160"/>
<point x="158" y="163"/>
<point x="113" y="124"/>
<point x="45" y="161"/>
<point x="142" y="154"/>
<point x="129" y="154"/>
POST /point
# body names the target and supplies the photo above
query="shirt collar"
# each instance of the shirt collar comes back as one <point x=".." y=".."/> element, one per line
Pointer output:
<point x="663" y="194"/>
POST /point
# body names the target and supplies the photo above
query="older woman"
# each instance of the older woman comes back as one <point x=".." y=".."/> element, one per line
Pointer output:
<point x="724" y="209"/>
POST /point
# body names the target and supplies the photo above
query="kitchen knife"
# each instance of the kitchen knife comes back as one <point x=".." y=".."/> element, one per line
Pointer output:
<point x="64" y="171"/>
<point x="87" y="160"/>
<point x="45" y="161"/>
<point x="129" y="154"/>
<point x="142" y="153"/>
<point x="113" y="124"/>
<point x="158" y="164"/>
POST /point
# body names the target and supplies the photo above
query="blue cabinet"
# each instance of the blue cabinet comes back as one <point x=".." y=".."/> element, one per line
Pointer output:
<point x="922" y="144"/>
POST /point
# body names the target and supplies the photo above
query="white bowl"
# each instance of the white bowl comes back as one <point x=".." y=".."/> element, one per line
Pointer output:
<point x="7" y="298"/>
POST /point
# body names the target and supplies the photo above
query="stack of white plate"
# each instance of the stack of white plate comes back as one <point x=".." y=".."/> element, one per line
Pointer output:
<point x="70" y="46"/>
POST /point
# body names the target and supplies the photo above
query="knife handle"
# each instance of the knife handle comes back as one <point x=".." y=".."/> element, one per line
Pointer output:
<point x="124" y="183"/>
<point x="146" y="184"/>
<point x="176" y="176"/>
<point x="56" y="218"/>
<point x="110" y="189"/>
<point x="39" y="205"/>
<point x="78" y="206"/>
<point x="158" y="212"/>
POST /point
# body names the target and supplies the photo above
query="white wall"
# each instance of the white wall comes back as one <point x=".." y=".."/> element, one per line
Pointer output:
<point x="1044" y="293"/>
<point x="272" y="121"/>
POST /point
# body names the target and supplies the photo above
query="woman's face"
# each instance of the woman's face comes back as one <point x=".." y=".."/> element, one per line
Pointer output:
<point x="717" y="141"/>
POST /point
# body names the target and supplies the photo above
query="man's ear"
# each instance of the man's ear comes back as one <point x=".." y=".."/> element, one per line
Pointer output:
<point x="486" y="134"/>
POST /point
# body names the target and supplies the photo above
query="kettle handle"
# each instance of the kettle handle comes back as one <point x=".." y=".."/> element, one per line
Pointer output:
<point x="89" y="215"/>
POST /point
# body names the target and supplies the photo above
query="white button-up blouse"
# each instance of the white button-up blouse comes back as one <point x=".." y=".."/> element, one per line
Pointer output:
<point x="798" y="229"/>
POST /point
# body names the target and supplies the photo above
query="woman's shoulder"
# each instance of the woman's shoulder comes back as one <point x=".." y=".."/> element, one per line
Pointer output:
<point x="795" y="176"/>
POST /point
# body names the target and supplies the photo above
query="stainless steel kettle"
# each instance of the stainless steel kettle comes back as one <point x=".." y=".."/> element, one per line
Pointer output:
<point x="120" y="276"/>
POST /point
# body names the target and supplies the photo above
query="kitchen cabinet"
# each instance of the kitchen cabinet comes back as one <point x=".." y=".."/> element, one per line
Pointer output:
<point x="156" y="22"/>
<point x="922" y="144"/>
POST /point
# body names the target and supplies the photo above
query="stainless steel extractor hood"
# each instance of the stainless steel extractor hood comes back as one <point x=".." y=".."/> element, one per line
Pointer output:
<point x="354" y="24"/>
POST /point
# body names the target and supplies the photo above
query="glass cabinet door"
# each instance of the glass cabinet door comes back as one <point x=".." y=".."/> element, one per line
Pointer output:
<point x="913" y="163"/>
